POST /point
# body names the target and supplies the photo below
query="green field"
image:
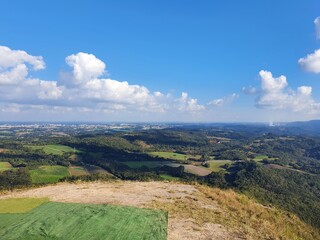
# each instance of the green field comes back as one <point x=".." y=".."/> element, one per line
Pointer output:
<point x="168" y="177"/>
<point x="173" y="155"/>
<point x="48" y="174"/>
<point x="20" y="205"/>
<point x="216" y="165"/>
<point x="71" y="221"/>
<point x="54" y="149"/>
<point x="259" y="158"/>
<point x="5" y="166"/>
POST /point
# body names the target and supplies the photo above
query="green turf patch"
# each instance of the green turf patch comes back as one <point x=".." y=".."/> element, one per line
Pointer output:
<point x="217" y="165"/>
<point x="54" y="149"/>
<point x="5" y="166"/>
<point x="84" y="221"/>
<point x="20" y="205"/>
<point x="173" y="155"/>
<point x="48" y="174"/>
<point x="259" y="158"/>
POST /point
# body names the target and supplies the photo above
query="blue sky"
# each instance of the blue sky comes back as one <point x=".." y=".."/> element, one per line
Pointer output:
<point x="210" y="50"/>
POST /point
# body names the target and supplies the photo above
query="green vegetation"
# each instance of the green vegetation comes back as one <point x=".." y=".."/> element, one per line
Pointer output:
<point x="173" y="155"/>
<point x="290" y="190"/>
<point x="54" y="149"/>
<point x="68" y="221"/>
<point x="48" y="174"/>
<point x="291" y="161"/>
<point x="149" y="164"/>
<point x="20" y="205"/>
<point x="218" y="165"/>
<point x="168" y="177"/>
<point x="14" y="178"/>
<point x="260" y="158"/>
<point x="5" y="166"/>
<point x="239" y="213"/>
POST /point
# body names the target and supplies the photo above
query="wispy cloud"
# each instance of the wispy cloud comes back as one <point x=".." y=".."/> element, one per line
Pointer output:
<point x="317" y="26"/>
<point x="222" y="101"/>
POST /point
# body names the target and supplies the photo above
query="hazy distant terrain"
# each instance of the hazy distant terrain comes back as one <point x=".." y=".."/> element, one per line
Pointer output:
<point x="275" y="168"/>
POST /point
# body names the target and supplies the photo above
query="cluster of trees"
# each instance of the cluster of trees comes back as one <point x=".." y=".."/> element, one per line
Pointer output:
<point x="290" y="190"/>
<point x="16" y="178"/>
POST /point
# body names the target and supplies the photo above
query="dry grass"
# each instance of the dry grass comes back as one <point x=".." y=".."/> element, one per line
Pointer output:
<point x="239" y="214"/>
<point x="195" y="211"/>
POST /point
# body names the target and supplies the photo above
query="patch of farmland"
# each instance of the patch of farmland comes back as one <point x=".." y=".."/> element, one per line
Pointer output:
<point x="70" y="221"/>
<point x="55" y="149"/>
<point x="197" y="170"/>
<point x="169" y="177"/>
<point x="5" y="166"/>
<point x="217" y="165"/>
<point x="200" y="171"/>
<point x="48" y="174"/>
<point x="173" y="155"/>
<point x="20" y="205"/>
<point x="77" y="171"/>
<point x="259" y="158"/>
<point x="96" y="169"/>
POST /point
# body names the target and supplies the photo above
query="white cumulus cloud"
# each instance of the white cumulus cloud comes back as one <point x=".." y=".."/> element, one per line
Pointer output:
<point x="85" y="67"/>
<point x="84" y="89"/>
<point x="311" y="62"/>
<point x="275" y="95"/>
<point x="12" y="58"/>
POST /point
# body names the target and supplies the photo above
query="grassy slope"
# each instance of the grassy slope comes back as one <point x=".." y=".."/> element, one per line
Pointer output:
<point x="239" y="214"/>
<point x="55" y="149"/>
<point x="168" y="177"/>
<point x="77" y="171"/>
<point x="259" y="158"/>
<point x="5" y="166"/>
<point x="216" y="165"/>
<point x="48" y="174"/>
<point x="20" y="205"/>
<point x="84" y="221"/>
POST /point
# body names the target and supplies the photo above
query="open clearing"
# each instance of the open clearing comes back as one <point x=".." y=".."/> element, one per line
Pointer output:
<point x="48" y="174"/>
<point x="56" y="220"/>
<point x="77" y="171"/>
<point x="55" y="149"/>
<point x="197" y="170"/>
<point x="20" y="205"/>
<point x="259" y="158"/>
<point x="216" y="165"/>
<point x="169" y="177"/>
<point x="173" y="155"/>
<point x="5" y="166"/>
<point x="195" y="212"/>
<point x="96" y="169"/>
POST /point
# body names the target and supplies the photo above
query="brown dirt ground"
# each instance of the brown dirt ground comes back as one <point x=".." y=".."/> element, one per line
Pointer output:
<point x="138" y="194"/>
